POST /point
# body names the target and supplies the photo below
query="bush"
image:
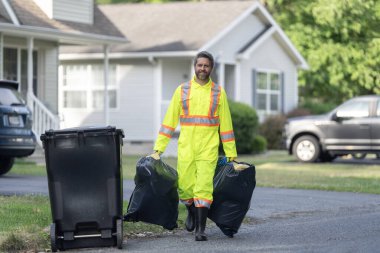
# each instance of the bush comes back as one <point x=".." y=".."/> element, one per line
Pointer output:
<point x="297" y="112"/>
<point x="271" y="129"/>
<point x="259" y="144"/>
<point x="245" y="123"/>
<point x="316" y="106"/>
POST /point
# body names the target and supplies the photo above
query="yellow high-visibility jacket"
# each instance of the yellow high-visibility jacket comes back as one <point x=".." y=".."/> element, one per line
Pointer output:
<point x="204" y="115"/>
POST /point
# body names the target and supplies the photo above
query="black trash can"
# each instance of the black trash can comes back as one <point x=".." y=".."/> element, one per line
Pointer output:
<point x="85" y="187"/>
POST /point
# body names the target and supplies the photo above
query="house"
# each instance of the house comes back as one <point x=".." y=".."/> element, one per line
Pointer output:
<point x="31" y="32"/>
<point x="256" y="63"/>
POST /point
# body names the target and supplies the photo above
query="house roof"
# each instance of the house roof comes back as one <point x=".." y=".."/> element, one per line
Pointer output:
<point x="174" y="26"/>
<point x="24" y="17"/>
<point x="182" y="29"/>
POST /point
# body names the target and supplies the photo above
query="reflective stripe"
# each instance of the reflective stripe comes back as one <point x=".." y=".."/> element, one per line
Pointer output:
<point x="202" y="202"/>
<point x="227" y="136"/>
<point x="187" y="202"/>
<point x="199" y="121"/>
<point x="185" y="95"/>
<point x="214" y="99"/>
<point x="166" y="131"/>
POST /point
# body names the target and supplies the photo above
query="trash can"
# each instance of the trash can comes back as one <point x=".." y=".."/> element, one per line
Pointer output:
<point x="85" y="186"/>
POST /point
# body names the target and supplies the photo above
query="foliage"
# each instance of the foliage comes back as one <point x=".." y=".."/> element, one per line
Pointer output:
<point x="245" y="124"/>
<point x="298" y="112"/>
<point x="271" y="129"/>
<point x="340" y="40"/>
<point x="317" y="107"/>
<point x="259" y="144"/>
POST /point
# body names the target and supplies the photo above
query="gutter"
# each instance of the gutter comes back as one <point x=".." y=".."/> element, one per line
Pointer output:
<point x="64" y="37"/>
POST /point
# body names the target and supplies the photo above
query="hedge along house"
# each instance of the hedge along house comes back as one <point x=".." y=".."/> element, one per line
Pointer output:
<point x="256" y="63"/>
<point x="31" y="32"/>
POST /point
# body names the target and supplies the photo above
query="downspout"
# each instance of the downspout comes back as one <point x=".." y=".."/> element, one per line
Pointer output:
<point x="106" y="80"/>
<point x="1" y="56"/>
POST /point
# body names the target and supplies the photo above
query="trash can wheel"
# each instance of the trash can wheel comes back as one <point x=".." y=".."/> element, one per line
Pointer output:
<point x="53" y="237"/>
<point x="119" y="233"/>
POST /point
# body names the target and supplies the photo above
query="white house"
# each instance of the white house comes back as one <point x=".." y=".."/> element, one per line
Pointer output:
<point x="31" y="32"/>
<point x="256" y="63"/>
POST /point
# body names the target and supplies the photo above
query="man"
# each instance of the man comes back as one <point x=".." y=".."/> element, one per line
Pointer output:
<point x="202" y="109"/>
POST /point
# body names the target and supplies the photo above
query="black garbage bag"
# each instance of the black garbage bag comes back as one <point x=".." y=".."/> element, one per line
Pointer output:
<point x="232" y="196"/>
<point x="155" y="198"/>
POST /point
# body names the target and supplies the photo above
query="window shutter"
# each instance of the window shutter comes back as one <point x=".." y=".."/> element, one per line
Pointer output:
<point x="254" y="88"/>
<point x="282" y="87"/>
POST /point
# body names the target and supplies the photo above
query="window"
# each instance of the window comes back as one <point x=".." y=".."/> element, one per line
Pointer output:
<point x="354" y="109"/>
<point x="267" y="91"/>
<point x="83" y="87"/>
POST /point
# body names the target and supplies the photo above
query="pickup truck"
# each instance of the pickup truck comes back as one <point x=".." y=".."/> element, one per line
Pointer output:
<point x="351" y="128"/>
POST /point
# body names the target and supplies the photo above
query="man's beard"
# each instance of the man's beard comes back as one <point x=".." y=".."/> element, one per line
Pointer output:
<point x="202" y="76"/>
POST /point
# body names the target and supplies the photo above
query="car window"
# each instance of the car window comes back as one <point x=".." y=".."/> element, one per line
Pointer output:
<point x="354" y="109"/>
<point x="9" y="97"/>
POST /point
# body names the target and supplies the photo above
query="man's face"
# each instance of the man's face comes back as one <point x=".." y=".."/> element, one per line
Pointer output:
<point x="203" y="69"/>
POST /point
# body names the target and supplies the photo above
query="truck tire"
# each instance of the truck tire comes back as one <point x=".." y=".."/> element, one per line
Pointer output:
<point x="6" y="164"/>
<point x="306" y="149"/>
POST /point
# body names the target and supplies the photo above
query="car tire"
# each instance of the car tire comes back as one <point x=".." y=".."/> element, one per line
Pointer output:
<point x="359" y="156"/>
<point x="6" y="164"/>
<point x="306" y="149"/>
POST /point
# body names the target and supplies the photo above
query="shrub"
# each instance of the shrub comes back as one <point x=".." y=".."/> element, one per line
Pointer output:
<point x="259" y="144"/>
<point x="245" y="123"/>
<point x="297" y="112"/>
<point x="271" y="129"/>
<point x="316" y="106"/>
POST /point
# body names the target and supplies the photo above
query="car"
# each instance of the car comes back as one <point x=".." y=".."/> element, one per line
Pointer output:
<point x="16" y="135"/>
<point x="351" y="128"/>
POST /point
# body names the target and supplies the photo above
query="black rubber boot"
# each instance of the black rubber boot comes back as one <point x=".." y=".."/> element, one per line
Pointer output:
<point x="200" y="223"/>
<point x="190" y="220"/>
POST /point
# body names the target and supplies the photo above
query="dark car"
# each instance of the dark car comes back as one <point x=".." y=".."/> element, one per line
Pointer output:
<point x="351" y="128"/>
<point x="16" y="136"/>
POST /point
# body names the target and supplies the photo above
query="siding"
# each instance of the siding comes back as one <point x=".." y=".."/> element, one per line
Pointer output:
<point x="271" y="56"/>
<point x="232" y="42"/>
<point x="135" y="112"/>
<point x="81" y="11"/>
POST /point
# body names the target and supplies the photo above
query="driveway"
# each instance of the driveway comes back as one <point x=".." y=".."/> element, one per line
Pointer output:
<point x="279" y="220"/>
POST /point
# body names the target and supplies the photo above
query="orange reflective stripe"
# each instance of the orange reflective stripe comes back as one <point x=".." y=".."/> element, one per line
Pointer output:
<point x="227" y="136"/>
<point x="214" y="99"/>
<point x="202" y="202"/>
<point x="199" y="121"/>
<point x="185" y="95"/>
<point x="166" y="131"/>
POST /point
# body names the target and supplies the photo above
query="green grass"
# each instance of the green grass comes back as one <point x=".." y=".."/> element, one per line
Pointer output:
<point x="24" y="167"/>
<point x="25" y="224"/>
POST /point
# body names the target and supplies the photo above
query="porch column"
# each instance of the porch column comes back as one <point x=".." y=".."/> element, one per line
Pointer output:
<point x="237" y="81"/>
<point x="29" y="92"/>
<point x="106" y="98"/>
<point x="1" y="56"/>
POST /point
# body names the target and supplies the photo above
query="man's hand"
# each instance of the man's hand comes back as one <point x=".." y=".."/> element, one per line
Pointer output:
<point x="231" y="159"/>
<point x="156" y="155"/>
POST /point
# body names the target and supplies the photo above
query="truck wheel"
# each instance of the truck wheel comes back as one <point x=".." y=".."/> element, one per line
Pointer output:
<point x="306" y="149"/>
<point x="359" y="156"/>
<point x="6" y="164"/>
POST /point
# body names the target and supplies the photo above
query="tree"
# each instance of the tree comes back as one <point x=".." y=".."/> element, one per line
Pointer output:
<point x="340" y="39"/>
